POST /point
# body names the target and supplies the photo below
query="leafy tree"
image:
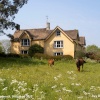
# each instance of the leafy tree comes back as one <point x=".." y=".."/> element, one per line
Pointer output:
<point x="93" y="51"/>
<point x="8" y="8"/>
<point x="6" y="46"/>
<point x="92" y="48"/>
<point x="35" y="49"/>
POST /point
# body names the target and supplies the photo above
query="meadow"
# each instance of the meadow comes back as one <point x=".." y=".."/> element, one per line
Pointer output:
<point x="33" y="79"/>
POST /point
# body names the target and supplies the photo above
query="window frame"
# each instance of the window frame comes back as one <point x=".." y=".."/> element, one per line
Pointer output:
<point x="23" y="51"/>
<point x="56" y="53"/>
<point x="58" y="33"/>
<point x="58" y="44"/>
<point x="25" y="42"/>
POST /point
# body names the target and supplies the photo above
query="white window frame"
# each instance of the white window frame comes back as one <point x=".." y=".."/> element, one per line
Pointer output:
<point x="23" y="51"/>
<point x="58" y="53"/>
<point x="25" y="42"/>
<point x="58" y="33"/>
<point x="58" y="44"/>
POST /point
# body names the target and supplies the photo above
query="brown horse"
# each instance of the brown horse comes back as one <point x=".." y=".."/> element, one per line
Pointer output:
<point x="51" y="62"/>
<point x="79" y="63"/>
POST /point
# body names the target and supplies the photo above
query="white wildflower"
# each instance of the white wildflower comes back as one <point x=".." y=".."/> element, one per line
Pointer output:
<point x="4" y="89"/>
<point x="69" y="91"/>
<point x="55" y="78"/>
<point x="94" y="96"/>
<point x="98" y="95"/>
<point x="85" y="93"/>
<point x="68" y="72"/>
<point x="1" y="80"/>
<point x="64" y="88"/>
<point x="14" y="81"/>
<point x="58" y="91"/>
<point x="98" y="87"/>
<point x="59" y="75"/>
<point x="73" y="84"/>
<point x="60" y="99"/>
<point x="54" y="86"/>
<point x="77" y="84"/>
<point x="35" y="85"/>
<point x="80" y="97"/>
<point x="61" y="84"/>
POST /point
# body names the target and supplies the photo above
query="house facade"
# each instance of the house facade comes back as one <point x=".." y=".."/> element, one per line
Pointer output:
<point x="55" y="42"/>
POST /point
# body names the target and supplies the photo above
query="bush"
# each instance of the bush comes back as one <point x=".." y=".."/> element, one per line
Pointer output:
<point x="63" y="57"/>
<point x="2" y="54"/>
<point x="35" y="49"/>
<point x="12" y="55"/>
<point x="41" y="56"/>
<point x="79" y="54"/>
<point x="60" y="57"/>
<point x="9" y="55"/>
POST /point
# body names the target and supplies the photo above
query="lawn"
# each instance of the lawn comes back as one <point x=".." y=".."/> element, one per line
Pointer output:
<point x="33" y="79"/>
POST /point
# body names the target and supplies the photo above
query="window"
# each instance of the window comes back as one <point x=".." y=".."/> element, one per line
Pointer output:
<point x="24" y="52"/>
<point x="58" y="44"/>
<point x="58" y="53"/>
<point x="25" y="42"/>
<point x="58" y="33"/>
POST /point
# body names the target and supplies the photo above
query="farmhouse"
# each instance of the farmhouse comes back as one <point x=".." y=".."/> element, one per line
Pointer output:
<point x="55" y="42"/>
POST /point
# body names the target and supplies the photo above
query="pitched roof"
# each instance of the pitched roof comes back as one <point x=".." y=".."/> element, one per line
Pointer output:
<point x="60" y="29"/>
<point x="42" y="34"/>
<point x="33" y="33"/>
<point x="73" y="34"/>
<point x="82" y="40"/>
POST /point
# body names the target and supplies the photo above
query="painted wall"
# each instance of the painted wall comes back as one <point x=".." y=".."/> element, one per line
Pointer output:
<point x="68" y="46"/>
<point x="15" y="47"/>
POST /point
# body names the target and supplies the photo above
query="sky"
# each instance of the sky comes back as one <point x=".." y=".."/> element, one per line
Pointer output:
<point x="83" y="15"/>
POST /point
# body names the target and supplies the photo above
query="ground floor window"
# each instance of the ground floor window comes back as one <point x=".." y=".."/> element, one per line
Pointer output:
<point x="24" y="51"/>
<point x="58" y="53"/>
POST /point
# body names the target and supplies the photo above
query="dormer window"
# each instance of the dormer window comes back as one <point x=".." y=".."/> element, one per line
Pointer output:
<point x="57" y="33"/>
<point x="25" y="42"/>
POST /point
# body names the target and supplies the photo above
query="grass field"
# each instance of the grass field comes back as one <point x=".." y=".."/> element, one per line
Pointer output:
<point x="33" y="79"/>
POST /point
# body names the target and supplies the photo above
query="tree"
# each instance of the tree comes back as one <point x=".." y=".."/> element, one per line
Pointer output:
<point x="35" y="49"/>
<point x="8" y="8"/>
<point x="6" y="46"/>
<point x="92" y="48"/>
<point x="93" y="52"/>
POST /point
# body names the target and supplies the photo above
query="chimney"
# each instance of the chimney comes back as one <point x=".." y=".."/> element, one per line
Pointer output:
<point x="48" y="26"/>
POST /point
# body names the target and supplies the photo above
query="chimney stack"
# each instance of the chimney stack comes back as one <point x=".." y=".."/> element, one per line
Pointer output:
<point x="48" y="26"/>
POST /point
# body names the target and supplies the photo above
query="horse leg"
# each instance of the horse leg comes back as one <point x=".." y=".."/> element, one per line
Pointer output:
<point x="78" y="67"/>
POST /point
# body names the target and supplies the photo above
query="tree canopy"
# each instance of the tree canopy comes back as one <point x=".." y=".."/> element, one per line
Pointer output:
<point x="8" y="9"/>
<point x="92" y="48"/>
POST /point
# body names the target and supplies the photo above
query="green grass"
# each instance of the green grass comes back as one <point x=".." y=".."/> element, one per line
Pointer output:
<point x="33" y="79"/>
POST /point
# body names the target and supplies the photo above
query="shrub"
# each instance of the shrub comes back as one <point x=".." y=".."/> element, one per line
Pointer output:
<point x="41" y="56"/>
<point x="63" y="57"/>
<point x="79" y="54"/>
<point x="35" y="49"/>
<point x="12" y="55"/>
<point x="2" y="54"/>
<point x="60" y="57"/>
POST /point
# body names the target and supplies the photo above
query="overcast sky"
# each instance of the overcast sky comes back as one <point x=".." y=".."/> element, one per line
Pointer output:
<point x="83" y="15"/>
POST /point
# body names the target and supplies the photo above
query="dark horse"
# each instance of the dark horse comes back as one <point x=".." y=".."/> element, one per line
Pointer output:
<point x="80" y="62"/>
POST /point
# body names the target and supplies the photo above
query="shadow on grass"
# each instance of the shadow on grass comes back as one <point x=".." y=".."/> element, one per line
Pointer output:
<point x="85" y="71"/>
<point x="19" y="62"/>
